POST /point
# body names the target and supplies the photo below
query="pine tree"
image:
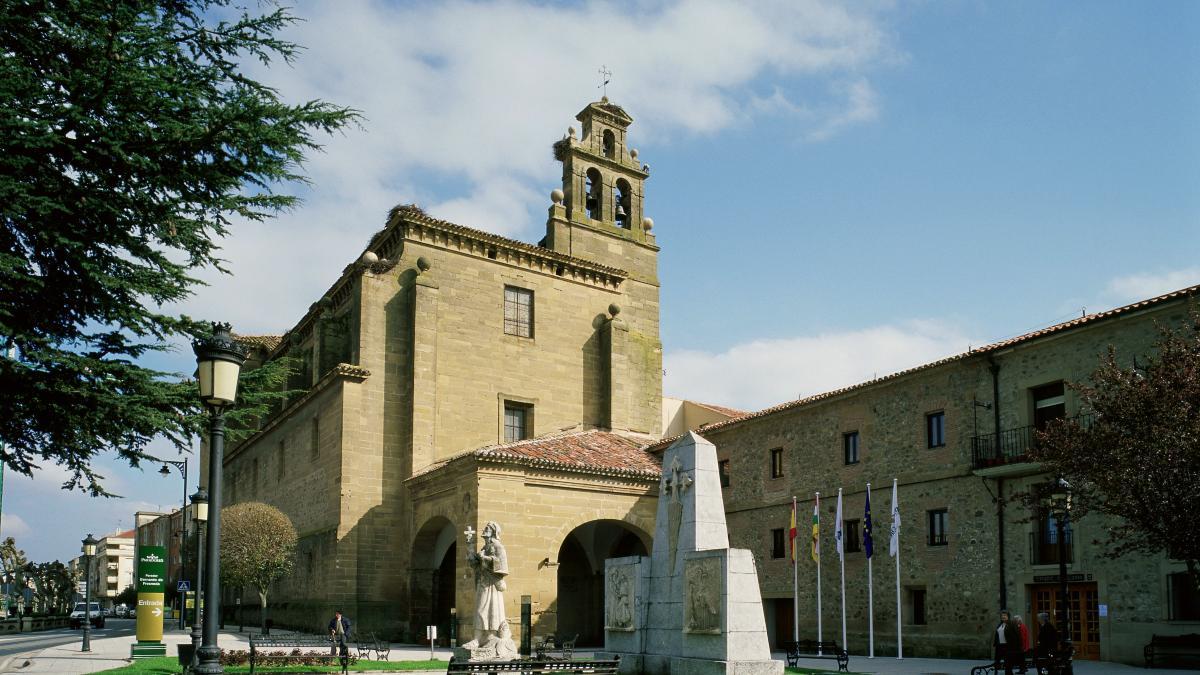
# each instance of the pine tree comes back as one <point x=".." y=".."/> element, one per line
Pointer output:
<point x="131" y="138"/>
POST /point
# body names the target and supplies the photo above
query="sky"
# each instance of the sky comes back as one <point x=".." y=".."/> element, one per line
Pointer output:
<point x="840" y="190"/>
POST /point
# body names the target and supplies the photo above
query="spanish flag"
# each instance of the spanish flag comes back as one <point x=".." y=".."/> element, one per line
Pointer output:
<point x="792" y="532"/>
<point x="816" y="534"/>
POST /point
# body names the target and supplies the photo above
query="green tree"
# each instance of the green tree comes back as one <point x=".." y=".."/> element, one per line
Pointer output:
<point x="127" y="597"/>
<point x="1138" y="457"/>
<point x="13" y="564"/>
<point x="258" y="547"/>
<point x="131" y="138"/>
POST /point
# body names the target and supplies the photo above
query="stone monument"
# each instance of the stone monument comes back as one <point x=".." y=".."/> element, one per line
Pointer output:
<point x="693" y="606"/>
<point x="493" y="637"/>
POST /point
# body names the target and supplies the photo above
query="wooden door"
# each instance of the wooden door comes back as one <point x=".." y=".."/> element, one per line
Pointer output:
<point x="1085" y="615"/>
<point x="783" y="621"/>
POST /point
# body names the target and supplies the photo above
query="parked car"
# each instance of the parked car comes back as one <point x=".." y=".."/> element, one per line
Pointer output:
<point x="79" y="614"/>
<point x="123" y="611"/>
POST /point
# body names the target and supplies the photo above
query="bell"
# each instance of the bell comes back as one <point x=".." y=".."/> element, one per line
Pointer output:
<point x="620" y="211"/>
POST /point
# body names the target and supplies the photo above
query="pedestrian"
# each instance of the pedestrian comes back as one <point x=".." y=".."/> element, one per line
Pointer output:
<point x="1007" y="641"/>
<point x="339" y="634"/>
<point x="1024" y="631"/>
<point x="1047" y="640"/>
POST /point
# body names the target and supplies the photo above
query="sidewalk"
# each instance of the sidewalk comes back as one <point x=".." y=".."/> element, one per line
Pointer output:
<point x="894" y="666"/>
<point x="113" y="652"/>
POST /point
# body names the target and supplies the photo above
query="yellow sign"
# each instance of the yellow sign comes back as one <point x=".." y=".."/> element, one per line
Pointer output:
<point x="150" y="617"/>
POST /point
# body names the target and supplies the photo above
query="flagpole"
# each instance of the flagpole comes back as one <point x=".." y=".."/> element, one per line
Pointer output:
<point x="817" y="551"/>
<point x="899" y="628"/>
<point x="795" y="580"/>
<point x="842" y="557"/>
<point x="870" y="599"/>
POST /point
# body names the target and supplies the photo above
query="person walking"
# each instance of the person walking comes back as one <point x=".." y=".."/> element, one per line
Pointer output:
<point x="1007" y="643"/>
<point x="1024" y="631"/>
<point x="339" y="634"/>
<point x="1047" y="641"/>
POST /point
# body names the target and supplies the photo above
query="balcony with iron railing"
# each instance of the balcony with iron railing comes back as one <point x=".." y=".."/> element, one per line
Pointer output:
<point x="1010" y="446"/>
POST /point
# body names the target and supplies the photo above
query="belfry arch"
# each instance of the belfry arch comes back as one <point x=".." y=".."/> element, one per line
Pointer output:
<point x="581" y="557"/>
<point x="432" y="575"/>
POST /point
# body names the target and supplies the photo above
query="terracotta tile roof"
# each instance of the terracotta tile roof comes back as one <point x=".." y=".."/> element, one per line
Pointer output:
<point x="1190" y="291"/>
<point x="266" y="342"/>
<point x="728" y="412"/>
<point x="592" y="451"/>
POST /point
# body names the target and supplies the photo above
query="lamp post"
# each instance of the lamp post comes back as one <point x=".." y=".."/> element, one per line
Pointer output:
<point x="1060" y="500"/>
<point x="182" y="466"/>
<point x="219" y="361"/>
<point x="200" y="508"/>
<point x="89" y="550"/>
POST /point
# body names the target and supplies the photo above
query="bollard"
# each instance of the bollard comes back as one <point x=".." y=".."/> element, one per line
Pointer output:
<point x="453" y="627"/>
<point x="526" y="625"/>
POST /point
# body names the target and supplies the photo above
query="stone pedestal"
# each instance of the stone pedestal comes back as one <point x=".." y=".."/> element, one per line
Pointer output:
<point x="693" y="607"/>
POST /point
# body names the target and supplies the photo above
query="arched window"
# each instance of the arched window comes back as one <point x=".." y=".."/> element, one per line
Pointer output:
<point x="593" y="194"/>
<point x="621" y="213"/>
<point x="610" y="144"/>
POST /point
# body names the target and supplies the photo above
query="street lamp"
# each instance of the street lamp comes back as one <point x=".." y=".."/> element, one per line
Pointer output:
<point x="219" y="362"/>
<point x="200" y="508"/>
<point x="1060" y="504"/>
<point x="166" y="471"/>
<point x="89" y="550"/>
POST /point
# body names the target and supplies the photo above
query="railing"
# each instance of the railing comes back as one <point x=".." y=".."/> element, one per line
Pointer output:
<point x="1044" y="552"/>
<point x="1011" y="446"/>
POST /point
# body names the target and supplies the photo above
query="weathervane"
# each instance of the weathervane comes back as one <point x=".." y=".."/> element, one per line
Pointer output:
<point x="606" y="76"/>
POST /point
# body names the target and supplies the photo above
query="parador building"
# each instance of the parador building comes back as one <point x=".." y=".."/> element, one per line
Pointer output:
<point x="451" y="376"/>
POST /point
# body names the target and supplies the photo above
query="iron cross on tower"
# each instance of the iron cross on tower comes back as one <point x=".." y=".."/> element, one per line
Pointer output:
<point x="605" y="78"/>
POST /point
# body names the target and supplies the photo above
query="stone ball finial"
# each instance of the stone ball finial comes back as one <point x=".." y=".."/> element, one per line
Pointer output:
<point x="423" y="264"/>
<point x="614" y="309"/>
<point x="557" y="196"/>
<point x="633" y="153"/>
<point x="369" y="258"/>
<point x="647" y="223"/>
<point x="571" y="132"/>
<point x="604" y="99"/>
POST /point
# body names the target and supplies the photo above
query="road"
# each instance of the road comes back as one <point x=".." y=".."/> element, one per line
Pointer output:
<point x="20" y="643"/>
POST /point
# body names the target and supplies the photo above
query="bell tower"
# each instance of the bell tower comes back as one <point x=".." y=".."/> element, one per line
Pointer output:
<point x="601" y="200"/>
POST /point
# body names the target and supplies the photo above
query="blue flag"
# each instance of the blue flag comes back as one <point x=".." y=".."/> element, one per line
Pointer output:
<point x="867" y="525"/>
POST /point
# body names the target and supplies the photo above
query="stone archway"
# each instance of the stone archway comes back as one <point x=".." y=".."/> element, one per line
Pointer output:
<point x="432" y="577"/>
<point x="581" y="559"/>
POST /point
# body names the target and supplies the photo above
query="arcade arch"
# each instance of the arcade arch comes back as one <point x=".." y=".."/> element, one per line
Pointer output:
<point x="581" y="559"/>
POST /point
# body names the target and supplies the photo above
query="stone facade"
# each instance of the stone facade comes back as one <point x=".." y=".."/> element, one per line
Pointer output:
<point x="412" y="358"/>
<point x="960" y="581"/>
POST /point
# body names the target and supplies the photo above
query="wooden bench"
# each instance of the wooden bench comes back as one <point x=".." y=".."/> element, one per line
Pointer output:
<point x="814" y="649"/>
<point x="1164" y="648"/>
<point x="310" y="646"/>
<point x="534" y="666"/>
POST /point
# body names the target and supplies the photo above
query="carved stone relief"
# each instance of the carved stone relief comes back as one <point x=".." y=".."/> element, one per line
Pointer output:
<point x="618" y="612"/>
<point x="702" y="595"/>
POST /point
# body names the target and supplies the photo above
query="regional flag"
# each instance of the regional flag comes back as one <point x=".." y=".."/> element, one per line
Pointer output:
<point x="837" y="530"/>
<point x="867" y="524"/>
<point x="792" y="532"/>
<point x="894" y="542"/>
<point x="816" y="533"/>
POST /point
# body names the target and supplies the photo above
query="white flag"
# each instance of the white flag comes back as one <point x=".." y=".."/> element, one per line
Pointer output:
<point x="837" y="530"/>
<point x="894" y="542"/>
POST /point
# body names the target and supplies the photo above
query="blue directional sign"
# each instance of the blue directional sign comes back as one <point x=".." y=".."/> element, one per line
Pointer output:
<point x="184" y="586"/>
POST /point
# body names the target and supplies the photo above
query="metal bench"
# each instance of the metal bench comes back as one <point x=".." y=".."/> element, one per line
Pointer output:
<point x="1058" y="663"/>
<point x="817" y="649"/>
<point x="1167" y="647"/>
<point x="535" y="666"/>
<point x="309" y="646"/>
<point x="544" y="649"/>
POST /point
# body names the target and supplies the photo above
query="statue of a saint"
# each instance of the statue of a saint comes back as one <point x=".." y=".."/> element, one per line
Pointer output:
<point x="491" y="566"/>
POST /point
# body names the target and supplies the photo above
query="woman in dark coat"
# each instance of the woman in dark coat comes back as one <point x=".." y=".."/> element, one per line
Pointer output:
<point x="1007" y="641"/>
<point x="1047" y="639"/>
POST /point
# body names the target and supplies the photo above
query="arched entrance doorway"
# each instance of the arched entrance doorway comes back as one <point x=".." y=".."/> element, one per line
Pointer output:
<point x="432" y="578"/>
<point x="581" y="576"/>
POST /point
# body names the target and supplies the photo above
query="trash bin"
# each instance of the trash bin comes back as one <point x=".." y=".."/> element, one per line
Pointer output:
<point x="186" y="651"/>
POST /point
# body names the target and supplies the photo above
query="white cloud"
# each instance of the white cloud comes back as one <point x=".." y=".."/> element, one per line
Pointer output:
<point x="463" y="99"/>
<point x="761" y="373"/>
<point x="12" y="525"/>
<point x="1134" y="287"/>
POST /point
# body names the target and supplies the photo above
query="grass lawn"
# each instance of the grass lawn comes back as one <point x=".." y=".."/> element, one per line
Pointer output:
<point x="165" y="665"/>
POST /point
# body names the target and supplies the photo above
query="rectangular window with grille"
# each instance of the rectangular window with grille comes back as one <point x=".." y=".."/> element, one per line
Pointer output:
<point x="935" y="429"/>
<point x="778" y="545"/>
<point x="850" y="447"/>
<point x="777" y="463"/>
<point x="723" y="470"/>
<point x="938" y="528"/>
<point x="518" y="311"/>
<point x="850" y="536"/>
<point x="516" y="422"/>
<point x="917" y="598"/>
